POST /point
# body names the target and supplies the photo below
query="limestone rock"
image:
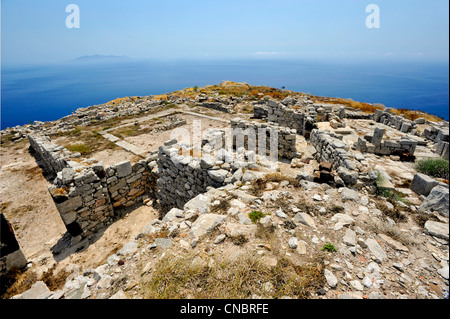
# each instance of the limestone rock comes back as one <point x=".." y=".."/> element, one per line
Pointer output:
<point x="128" y="249"/>
<point x="376" y="250"/>
<point x="331" y="278"/>
<point x="38" y="290"/>
<point x="350" y="194"/>
<point x="437" y="229"/>
<point x="206" y="223"/>
<point x="305" y="219"/>
<point x="437" y="201"/>
<point x="423" y="184"/>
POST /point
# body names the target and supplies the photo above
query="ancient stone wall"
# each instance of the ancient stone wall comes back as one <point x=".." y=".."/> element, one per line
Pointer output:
<point x="184" y="177"/>
<point x="87" y="196"/>
<point x="330" y="148"/>
<point x="440" y="136"/>
<point x="11" y="255"/>
<point x="396" y="121"/>
<point x="52" y="156"/>
<point x="254" y="133"/>
<point x="375" y="144"/>
<point x="303" y="120"/>
<point x="217" y="106"/>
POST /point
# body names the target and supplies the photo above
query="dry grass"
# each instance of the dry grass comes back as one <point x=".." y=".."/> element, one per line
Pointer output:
<point x="16" y="282"/>
<point x="392" y="231"/>
<point x="54" y="281"/>
<point x="395" y="214"/>
<point x="239" y="277"/>
<point x="222" y="207"/>
<point x="414" y="115"/>
<point x="258" y="186"/>
<point x="122" y="100"/>
<point x="364" y="107"/>
<point x="371" y="108"/>
<point x="228" y="88"/>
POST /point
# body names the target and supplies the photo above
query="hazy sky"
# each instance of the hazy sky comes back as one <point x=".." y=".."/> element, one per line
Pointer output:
<point x="34" y="31"/>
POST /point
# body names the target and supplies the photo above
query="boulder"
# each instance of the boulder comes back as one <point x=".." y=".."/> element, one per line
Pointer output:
<point x="206" y="223"/>
<point x="437" y="201"/>
<point x="173" y="214"/>
<point x="376" y="250"/>
<point x="198" y="204"/>
<point x="349" y="177"/>
<point x="423" y="184"/>
<point x="123" y="169"/>
<point x="331" y="278"/>
<point x="128" y="249"/>
<point x="350" y="194"/>
<point x="305" y="219"/>
<point x="437" y="229"/>
<point x="38" y="290"/>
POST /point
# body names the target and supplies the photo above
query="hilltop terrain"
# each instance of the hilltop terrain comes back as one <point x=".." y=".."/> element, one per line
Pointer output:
<point x="356" y="205"/>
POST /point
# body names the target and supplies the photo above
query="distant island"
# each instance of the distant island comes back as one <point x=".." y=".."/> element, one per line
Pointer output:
<point x="100" y="58"/>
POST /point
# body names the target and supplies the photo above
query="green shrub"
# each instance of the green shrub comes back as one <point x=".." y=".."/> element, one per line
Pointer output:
<point x="435" y="167"/>
<point x="81" y="148"/>
<point x="255" y="216"/>
<point x="329" y="247"/>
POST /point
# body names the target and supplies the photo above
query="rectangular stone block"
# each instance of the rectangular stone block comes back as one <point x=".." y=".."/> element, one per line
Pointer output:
<point x="423" y="184"/>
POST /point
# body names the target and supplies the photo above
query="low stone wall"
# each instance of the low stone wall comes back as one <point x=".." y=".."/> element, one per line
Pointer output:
<point x="11" y="255"/>
<point x="82" y="201"/>
<point x="250" y="132"/>
<point x="88" y="199"/>
<point x="217" y="106"/>
<point x="349" y="113"/>
<point x="396" y="121"/>
<point x="260" y="111"/>
<point x="441" y="137"/>
<point x="374" y="144"/>
<point x="184" y="177"/>
<point x="330" y="148"/>
<point x="54" y="158"/>
<point x="303" y="120"/>
<point x="87" y="195"/>
<point x="127" y="184"/>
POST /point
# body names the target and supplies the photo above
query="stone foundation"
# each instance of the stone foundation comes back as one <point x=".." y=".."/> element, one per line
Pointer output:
<point x="11" y="256"/>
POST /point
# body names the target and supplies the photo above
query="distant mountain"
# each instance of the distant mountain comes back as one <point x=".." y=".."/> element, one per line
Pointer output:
<point x="101" y="58"/>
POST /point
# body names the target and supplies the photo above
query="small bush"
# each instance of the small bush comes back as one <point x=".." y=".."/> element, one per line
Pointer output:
<point x="81" y="148"/>
<point x="241" y="277"/>
<point x="329" y="247"/>
<point x="435" y="167"/>
<point x="255" y="216"/>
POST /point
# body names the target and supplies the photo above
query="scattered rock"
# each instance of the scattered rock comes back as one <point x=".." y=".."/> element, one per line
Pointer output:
<point x="437" y="229"/>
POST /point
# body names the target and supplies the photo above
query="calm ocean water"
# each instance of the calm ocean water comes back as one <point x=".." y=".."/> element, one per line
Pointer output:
<point x="49" y="92"/>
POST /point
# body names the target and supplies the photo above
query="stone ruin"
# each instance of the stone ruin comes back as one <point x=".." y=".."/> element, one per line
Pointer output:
<point x="404" y="148"/>
<point x="90" y="196"/>
<point x="87" y="194"/>
<point x="11" y="255"/>
<point x="440" y="136"/>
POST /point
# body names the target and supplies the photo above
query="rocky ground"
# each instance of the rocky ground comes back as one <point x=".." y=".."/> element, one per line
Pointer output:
<point x="306" y="239"/>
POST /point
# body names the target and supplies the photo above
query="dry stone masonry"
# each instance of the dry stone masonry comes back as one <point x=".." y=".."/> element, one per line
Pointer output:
<point x="303" y="119"/>
<point x="404" y="147"/>
<point x="396" y="121"/>
<point x="11" y="255"/>
<point x="253" y="135"/>
<point x="87" y="194"/>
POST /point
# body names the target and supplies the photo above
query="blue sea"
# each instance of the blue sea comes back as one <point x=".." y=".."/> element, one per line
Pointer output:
<point x="49" y="92"/>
